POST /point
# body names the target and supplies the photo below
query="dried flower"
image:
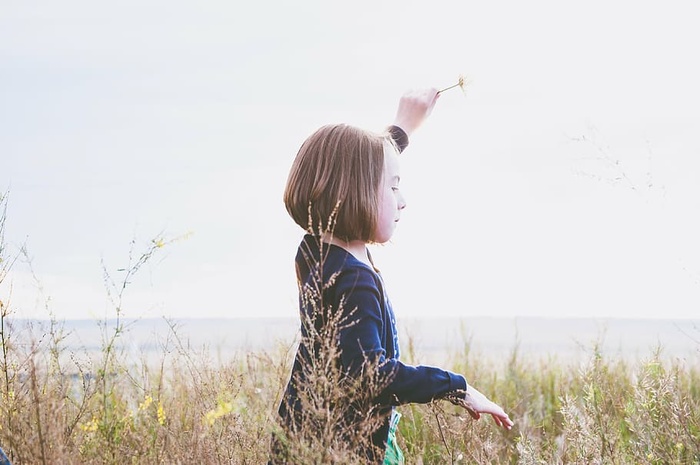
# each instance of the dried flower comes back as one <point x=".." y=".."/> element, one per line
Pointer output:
<point x="461" y="83"/>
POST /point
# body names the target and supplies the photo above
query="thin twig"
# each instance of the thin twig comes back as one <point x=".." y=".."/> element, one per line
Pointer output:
<point x="442" y="434"/>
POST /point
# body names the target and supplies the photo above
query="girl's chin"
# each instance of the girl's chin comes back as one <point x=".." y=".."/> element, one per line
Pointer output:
<point x="385" y="235"/>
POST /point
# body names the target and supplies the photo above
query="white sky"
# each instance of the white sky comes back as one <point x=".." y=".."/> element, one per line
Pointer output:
<point x="565" y="182"/>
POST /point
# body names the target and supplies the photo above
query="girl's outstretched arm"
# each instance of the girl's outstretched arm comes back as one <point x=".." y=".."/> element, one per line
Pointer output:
<point x="414" y="107"/>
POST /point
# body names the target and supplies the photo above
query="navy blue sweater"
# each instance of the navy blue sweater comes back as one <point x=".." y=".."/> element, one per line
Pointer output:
<point x="354" y="288"/>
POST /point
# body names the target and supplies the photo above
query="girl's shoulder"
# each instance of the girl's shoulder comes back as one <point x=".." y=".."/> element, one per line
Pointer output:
<point x="331" y="260"/>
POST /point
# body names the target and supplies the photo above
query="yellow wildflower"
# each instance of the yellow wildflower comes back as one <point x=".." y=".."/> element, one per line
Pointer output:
<point x="161" y="414"/>
<point x="147" y="401"/>
<point x="91" y="426"/>
<point x="222" y="409"/>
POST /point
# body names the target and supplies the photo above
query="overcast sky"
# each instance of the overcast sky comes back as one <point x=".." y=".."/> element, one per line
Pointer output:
<point x="564" y="182"/>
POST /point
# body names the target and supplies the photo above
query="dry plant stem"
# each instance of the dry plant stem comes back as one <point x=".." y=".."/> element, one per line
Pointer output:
<point x="436" y="412"/>
<point x="5" y="359"/>
<point x="451" y="87"/>
<point x="5" y="266"/>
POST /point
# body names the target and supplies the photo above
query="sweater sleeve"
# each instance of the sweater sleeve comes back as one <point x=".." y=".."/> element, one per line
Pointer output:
<point x="399" y="136"/>
<point x="361" y="340"/>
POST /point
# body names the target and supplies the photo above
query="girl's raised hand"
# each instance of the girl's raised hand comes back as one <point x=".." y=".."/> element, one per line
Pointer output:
<point x="414" y="107"/>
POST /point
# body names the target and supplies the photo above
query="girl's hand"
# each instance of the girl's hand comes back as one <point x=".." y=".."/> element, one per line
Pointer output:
<point x="476" y="403"/>
<point x="414" y="107"/>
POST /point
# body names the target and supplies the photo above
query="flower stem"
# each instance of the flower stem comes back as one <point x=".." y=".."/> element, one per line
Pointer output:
<point x="448" y="88"/>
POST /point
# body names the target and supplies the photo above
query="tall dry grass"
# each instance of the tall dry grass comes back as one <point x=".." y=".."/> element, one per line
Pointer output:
<point x="58" y="405"/>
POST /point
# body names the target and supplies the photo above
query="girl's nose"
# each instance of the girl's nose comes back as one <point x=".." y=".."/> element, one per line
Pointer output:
<point x="402" y="201"/>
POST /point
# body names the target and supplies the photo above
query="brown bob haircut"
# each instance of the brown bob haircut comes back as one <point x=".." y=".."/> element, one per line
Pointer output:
<point x="333" y="184"/>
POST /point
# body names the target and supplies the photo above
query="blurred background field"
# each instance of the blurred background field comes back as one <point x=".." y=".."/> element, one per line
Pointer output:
<point x="432" y="339"/>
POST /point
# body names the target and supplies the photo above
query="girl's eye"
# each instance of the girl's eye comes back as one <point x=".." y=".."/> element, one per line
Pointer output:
<point x="395" y="188"/>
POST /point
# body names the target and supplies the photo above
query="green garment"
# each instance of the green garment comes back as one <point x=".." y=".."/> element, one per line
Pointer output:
<point x="393" y="455"/>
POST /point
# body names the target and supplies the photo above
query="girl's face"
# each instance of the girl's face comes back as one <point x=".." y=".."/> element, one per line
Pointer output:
<point x="391" y="202"/>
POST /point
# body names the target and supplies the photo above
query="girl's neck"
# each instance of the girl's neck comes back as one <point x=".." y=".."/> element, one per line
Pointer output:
<point x="357" y="248"/>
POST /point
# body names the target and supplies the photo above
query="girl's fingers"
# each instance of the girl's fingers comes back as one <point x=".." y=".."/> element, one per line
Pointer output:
<point x="502" y="420"/>
<point x="506" y="422"/>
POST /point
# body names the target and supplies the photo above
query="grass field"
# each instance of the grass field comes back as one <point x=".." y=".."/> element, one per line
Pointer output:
<point x="59" y="407"/>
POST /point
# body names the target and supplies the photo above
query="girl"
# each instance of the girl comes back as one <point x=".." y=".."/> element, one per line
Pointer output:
<point x="343" y="189"/>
